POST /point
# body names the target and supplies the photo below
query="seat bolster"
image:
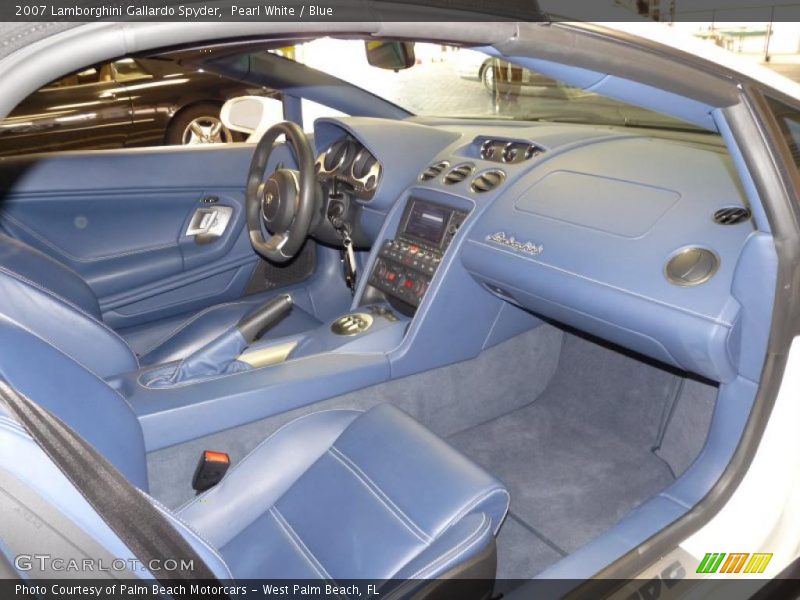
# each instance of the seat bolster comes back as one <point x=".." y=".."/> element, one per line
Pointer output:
<point x="426" y="477"/>
<point x="56" y="382"/>
<point x="210" y="555"/>
<point x="30" y="264"/>
<point x="66" y="326"/>
<point x="253" y="485"/>
<point x="464" y="540"/>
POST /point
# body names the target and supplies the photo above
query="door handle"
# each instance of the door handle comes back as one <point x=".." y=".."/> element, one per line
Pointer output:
<point x="208" y="223"/>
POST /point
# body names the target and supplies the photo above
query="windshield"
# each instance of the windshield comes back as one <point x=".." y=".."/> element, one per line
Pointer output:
<point x="448" y="81"/>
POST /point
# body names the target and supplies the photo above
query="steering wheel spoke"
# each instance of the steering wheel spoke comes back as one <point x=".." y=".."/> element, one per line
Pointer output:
<point x="286" y="201"/>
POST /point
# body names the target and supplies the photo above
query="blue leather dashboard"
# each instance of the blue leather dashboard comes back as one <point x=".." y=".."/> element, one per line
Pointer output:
<point x="602" y="211"/>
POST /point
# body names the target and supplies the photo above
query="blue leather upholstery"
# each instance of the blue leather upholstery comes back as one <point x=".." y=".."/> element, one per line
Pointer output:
<point x="55" y="381"/>
<point x="218" y="356"/>
<point x="334" y="494"/>
<point x="366" y="495"/>
<point x="188" y="334"/>
<point x="51" y="300"/>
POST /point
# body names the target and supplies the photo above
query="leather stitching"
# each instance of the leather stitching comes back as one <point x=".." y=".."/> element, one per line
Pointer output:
<point x="69" y="256"/>
<point x="382" y="496"/>
<point x="73" y="359"/>
<point x="454" y="553"/>
<point x="187" y="357"/>
<point x="294" y="361"/>
<point x="69" y="304"/>
<point x="15" y="427"/>
<point x="298" y="543"/>
<point x="17" y="240"/>
<point x="262" y="443"/>
<point x="163" y="340"/>
<point x="471" y="504"/>
<point x="192" y="531"/>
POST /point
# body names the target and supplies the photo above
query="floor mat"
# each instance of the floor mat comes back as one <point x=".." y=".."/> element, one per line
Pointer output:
<point x="578" y="458"/>
<point x="538" y="553"/>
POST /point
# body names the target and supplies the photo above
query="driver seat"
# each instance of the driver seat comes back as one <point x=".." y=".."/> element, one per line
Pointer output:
<point x="54" y="303"/>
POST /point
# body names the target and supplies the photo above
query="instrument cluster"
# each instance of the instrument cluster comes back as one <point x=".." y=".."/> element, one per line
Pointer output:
<point x="349" y="163"/>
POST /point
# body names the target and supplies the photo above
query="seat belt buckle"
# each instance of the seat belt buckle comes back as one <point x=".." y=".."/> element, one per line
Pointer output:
<point x="210" y="470"/>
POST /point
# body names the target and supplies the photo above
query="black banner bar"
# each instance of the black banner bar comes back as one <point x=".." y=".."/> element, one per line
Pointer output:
<point x="269" y="10"/>
<point x="735" y="588"/>
<point x="716" y="11"/>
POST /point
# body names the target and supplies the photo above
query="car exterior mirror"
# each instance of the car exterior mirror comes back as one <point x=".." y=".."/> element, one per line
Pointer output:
<point x="252" y="115"/>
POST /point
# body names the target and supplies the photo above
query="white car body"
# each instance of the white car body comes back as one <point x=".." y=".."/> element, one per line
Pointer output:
<point x="470" y="63"/>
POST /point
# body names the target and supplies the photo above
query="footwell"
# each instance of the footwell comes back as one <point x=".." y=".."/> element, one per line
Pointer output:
<point x="580" y="455"/>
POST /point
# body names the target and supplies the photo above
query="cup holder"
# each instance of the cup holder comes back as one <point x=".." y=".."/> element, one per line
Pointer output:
<point x="352" y="324"/>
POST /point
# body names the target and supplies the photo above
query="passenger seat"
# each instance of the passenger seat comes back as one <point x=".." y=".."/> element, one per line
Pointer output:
<point x="333" y="495"/>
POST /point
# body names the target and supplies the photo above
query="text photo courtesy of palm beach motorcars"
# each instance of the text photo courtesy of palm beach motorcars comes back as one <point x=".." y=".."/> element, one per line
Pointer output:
<point x="368" y="299"/>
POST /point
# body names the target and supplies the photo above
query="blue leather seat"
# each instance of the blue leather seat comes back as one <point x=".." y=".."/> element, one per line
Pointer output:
<point x="53" y="301"/>
<point x="336" y="494"/>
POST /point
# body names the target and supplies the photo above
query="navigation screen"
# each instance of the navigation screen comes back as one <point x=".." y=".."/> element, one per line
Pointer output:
<point x="427" y="222"/>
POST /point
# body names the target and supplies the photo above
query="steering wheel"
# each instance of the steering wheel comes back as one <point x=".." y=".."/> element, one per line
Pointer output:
<point x="285" y="202"/>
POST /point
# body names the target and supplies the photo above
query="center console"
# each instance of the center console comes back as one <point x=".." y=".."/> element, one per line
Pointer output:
<point x="406" y="265"/>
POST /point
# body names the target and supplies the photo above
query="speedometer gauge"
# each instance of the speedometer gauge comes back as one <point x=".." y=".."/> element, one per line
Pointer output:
<point x="337" y="155"/>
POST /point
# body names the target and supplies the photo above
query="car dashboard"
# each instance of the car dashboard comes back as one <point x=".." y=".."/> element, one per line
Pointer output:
<point x="622" y="234"/>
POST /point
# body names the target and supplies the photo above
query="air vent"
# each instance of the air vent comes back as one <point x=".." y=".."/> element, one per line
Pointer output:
<point x="458" y="174"/>
<point x="532" y="151"/>
<point x="732" y="215"/>
<point x="434" y="170"/>
<point x="488" y="180"/>
<point x="691" y="266"/>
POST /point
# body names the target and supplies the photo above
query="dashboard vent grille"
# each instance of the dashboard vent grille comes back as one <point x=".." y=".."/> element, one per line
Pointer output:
<point x="434" y="170"/>
<point x="691" y="266"/>
<point x="458" y="174"/>
<point x="732" y="215"/>
<point x="488" y="181"/>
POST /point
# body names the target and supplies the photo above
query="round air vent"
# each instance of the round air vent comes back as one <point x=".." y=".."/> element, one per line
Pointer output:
<point x="434" y="170"/>
<point x="532" y="151"/>
<point x="731" y="215"/>
<point x="691" y="266"/>
<point x="458" y="174"/>
<point x="488" y="180"/>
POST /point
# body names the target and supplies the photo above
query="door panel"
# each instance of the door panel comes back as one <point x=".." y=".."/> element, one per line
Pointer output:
<point x="119" y="218"/>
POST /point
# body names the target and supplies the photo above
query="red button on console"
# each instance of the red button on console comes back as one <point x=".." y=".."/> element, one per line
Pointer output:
<point x="408" y="283"/>
<point x="391" y="276"/>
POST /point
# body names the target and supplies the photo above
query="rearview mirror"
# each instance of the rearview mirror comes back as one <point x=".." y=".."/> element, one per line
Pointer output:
<point x="390" y="55"/>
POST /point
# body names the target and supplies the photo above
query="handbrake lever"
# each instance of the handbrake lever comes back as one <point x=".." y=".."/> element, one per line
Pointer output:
<point x="253" y="325"/>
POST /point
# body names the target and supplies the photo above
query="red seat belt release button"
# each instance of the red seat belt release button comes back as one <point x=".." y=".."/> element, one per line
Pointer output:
<point x="210" y="470"/>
